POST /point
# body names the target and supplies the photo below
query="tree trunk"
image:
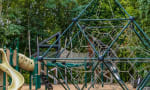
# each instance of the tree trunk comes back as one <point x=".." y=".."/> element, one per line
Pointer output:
<point x="29" y="39"/>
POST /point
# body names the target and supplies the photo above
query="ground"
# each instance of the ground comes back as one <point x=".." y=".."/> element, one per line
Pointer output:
<point x="59" y="87"/>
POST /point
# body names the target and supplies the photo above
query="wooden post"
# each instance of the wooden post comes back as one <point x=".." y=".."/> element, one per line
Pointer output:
<point x="8" y="54"/>
<point x="39" y="68"/>
<point x="45" y="68"/>
<point x="15" y="58"/>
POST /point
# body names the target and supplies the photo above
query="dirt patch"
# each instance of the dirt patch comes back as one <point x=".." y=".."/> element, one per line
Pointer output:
<point x="97" y="87"/>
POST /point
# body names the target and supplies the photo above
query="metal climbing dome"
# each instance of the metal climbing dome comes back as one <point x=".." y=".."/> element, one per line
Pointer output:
<point x="98" y="49"/>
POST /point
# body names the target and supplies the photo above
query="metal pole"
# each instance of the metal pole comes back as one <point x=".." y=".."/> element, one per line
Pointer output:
<point x="30" y="81"/>
<point x="4" y="76"/>
<point x="17" y="59"/>
<point x="142" y="40"/>
<point x="36" y="66"/>
<point x="118" y="3"/>
<point x="113" y="19"/>
<point x="141" y="30"/>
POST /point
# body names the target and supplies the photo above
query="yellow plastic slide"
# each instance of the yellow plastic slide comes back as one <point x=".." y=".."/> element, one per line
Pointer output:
<point x="17" y="78"/>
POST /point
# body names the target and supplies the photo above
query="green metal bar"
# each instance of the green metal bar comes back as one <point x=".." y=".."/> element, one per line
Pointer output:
<point x="102" y="77"/>
<point x="17" y="48"/>
<point x="4" y="81"/>
<point x="69" y="58"/>
<point x="96" y="58"/>
<point x="87" y="38"/>
<point x="84" y="9"/>
<point x="56" y="78"/>
<point x="80" y="65"/>
<point x="85" y="76"/>
<point x="63" y="78"/>
<point x="118" y="3"/>
<point x="140" y="37"/>
<point x="112" y="19"/>
<point x="11" y="62"/>
<point x="46" y="76"/>
<point x="94" y="83"/>
<point x="4" y="76"/>
<point x="45" y="53"/>
<point x="75" y="85"/>
<point x="60" y="82"/>
<point x="93" y="27"/>
<point x="11" y="57"/>
<point x="123" y="87"/>
<point x="30" y="81"/>
<point x="127" y="58"/>
<point x="92" y="8"/>
<point x="143" y="81"/>
<point x="92" y="78"/>
<point x="116" y="38"/>
<point x="69" y="43"/>
<point x="141" y="30"/>
<point x="36" y="73"/>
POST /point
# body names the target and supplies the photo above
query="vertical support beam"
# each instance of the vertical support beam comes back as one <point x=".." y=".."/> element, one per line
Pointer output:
<point x="45" y="73"/>
<point x="8" y="54"/>
<point x="102" y="77"/>
<point x="36" y="66"/>
<point x="92" y="80"/>
<point x="4" y="81"/>
<point x="85" y="77"/>
<point x="56" y="73"/>
<point x="66" y="75"/>
<point x="17" y="57"/>
<point x="4" y="77"/>
<point x="45" y="68"/>
<point x="39" y="68"/>
<point x="30" y="81"/>
<point x="11" y="62"/>
<point x="36" y="74"/>
<point x="11" y="57"/>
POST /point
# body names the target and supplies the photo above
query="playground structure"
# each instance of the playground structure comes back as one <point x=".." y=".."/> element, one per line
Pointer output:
<point x="11" y="63"/>
<point x="84" y="53"/>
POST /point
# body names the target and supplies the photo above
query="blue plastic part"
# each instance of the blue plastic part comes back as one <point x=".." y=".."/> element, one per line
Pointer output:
<point x="75" y="19"/>
<point x="40" y="58"/>
<point x="131" y="18"/>
<point x="101" y="58"/>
